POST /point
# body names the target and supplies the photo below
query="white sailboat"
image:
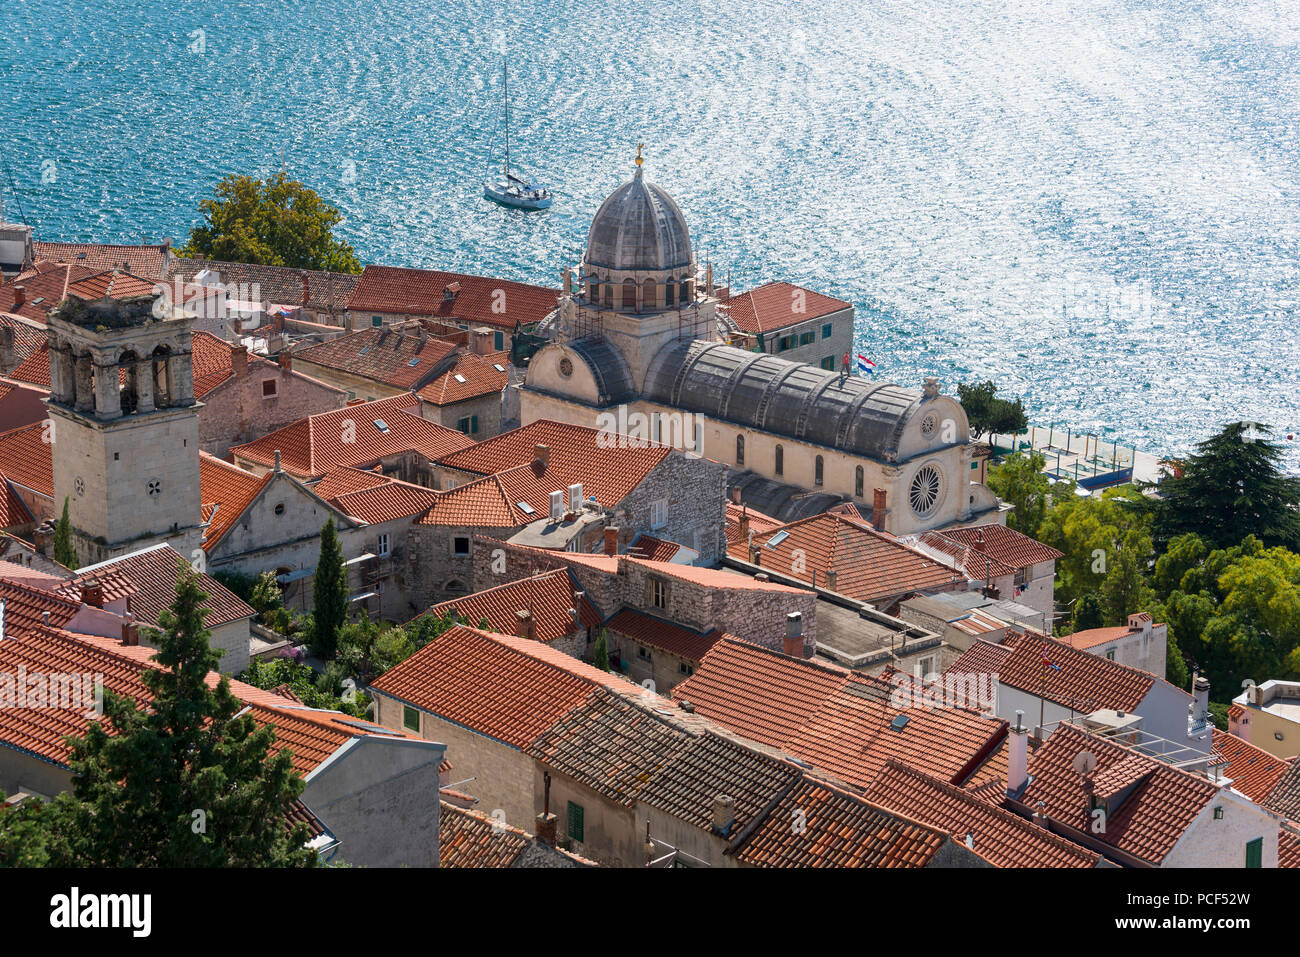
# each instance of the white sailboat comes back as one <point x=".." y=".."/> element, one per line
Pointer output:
<point x="511" y="190"/>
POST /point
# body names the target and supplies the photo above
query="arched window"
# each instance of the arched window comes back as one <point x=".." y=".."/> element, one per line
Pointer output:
<point x="740" y="450"/>
<point x="780" y="460"/>
<point x="858" y="482"/>
<point x="685" y="291"/>
<point x="629" y="294"/>
<point x="817" y="471"/>
<point x="648" y="294"/>
<point x="669" y="288"/>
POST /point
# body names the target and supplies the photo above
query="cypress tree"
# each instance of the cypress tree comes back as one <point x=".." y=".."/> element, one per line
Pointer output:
<point x="330" y="592"/>
<point x="64" y="553"/>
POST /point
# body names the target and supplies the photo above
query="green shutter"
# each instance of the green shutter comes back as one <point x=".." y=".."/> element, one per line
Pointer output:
<point x="411" y="718"/>
<point x="498" y="341"/>
<point x="473" y="425"/>
<point x="1254" y="852"/>
<point x="576" y="832"/>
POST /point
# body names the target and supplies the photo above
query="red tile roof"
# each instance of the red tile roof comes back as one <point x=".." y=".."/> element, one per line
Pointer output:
<point x="28" y="334"/>
<point x="841" y="721"/>
<point x="870" y="565"/>
<point x="26" y="605"/>
<point x="505" y="687"/>
<point x="1093" y="637"/>
<point x="710" y="577"/>
<point x="114" y="282"/>
<point x="344" y="480"/>
<point x="837" y="829"/>
<point x="230" y="489"/>
<point x="1007" y="549"/>
<point x="472" y="376"/>
<point x="777" y="305"/>
<point x="654" y="549"/>
<point x="1288" y="848"/>
<point x="1147" y="824"/>
<point x="1000" y="836"/>
<point x="663" y="635"/>
<point x="384" y="355"/>
<point x="422" y="292"/>
<point x="1253" y="771"/>
<point x="386" y="502"/>
<point x="758" y="523"/>
<point x="575" y="456"/>
<point x="494" y="502"/>
<point x="149" y="261"/>
<point x="44" y="287"/>
<point x="26" y="457"/>
<point x="318" y="444"/>
<point x="278" y="285"/>
<point x="155" y="572"/>
<point x="1081" y="681"/>
<point x="548" y="596"/>
<point x="13" y="511"/>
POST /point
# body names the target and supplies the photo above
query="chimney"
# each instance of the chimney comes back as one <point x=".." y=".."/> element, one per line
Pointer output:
<point x="239" y="359"/>
<point x="755" y="554"/>
<point x="793" y="643"/>
<point x="92" y="593"/>
<point x="43" y="538"/>
<point x="1040" y="814"/>
<point x="735" y="494"/>
<point x="1017" y="757"/>
<point x="546" y="828"/>
<point x="832" y="579"/>
<point x="525" y="627"/>
<point x="286" y="362"/>
<point x="878" y="508"/>
<point x="1198" y="719"/>
<point x="277" y="460"/>
<point x="979" y="540"/>
<point x="724" y="814"/>
<point x="611" y="540"/>
<point x="20" y="296"/>
<point x="762" y="577"/>
<point x="744" y="524"/>
<point x="542" y="453"/>
<point x="130" y="630"/>
<point x="8" y="358"/>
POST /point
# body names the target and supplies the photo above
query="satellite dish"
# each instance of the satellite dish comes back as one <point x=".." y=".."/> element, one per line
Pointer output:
<point x="1085" y="762"/>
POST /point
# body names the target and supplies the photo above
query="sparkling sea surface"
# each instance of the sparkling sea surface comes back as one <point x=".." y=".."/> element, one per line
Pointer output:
<point x="1095" y="204"/>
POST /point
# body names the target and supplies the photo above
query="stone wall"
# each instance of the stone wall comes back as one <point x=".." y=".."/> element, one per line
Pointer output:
<point x="694" y="492"/>
<point x="239" y="411"/>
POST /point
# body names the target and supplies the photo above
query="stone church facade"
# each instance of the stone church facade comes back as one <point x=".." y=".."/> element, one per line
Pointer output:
<point x="636" y="331"/>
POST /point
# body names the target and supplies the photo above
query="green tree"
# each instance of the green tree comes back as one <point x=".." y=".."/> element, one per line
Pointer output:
<point x="1106" y="548"/>
<point x="1020" y="481"/>
<point x="1089" y="612"/>
<point x="330" y="594"/>
<point x="272" y="222"/>
<point x="188" y="779"/>
<point x="64" y="553"/>
<point x="600" y="653"/>
<point x="988" y="413"/>
<point x="1231" y="487"/>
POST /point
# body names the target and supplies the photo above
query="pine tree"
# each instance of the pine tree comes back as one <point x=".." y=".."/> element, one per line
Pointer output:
<point x="64" y="553"/>
<point x="330" y="592"/>
<point x="1233" y="486"/>
<point x="190" y="780"/>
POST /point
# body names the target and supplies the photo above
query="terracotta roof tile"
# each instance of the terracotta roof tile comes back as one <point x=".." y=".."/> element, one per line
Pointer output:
<point x="318" y="444"/>
<point x="508" y="688"/>
<point x="384" y="355"/>
<point x="869" y="565"/>
<point x="1003" y="838"/>
<point x="467" y="839"/>
<point x="1082" y="681"/>
<point x="654" y="549"/>
<point x="423" y="292"/>
<point x="777" y="305"/>
<point x="1288" y="848"/>
<point x="663" y="635"/>
<point x="1284" y="798"/>
<point x="155" y="572"/>
<point x="548" y="596"/>
<point x="280" y="285"/>
<point x="385" y="503"/>
<point x="149" y="261"/>
<point x="494" y="501"/>
<point x="27" y="458"/>
<point x="43" y="287"/>
<point x="343" y="480"/>
<point x="230" y="489"/>
<point x="1005" y="546"/>
<point x="1162" y="803"/>
<point x="758" y="524"/>
<point x="472" y="376"/>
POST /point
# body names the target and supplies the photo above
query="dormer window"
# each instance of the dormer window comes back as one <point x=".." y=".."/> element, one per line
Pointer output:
<point x="450" y="292"/>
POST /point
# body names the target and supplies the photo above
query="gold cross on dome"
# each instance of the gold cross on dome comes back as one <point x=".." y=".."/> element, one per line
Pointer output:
<point x="639" y="147"/>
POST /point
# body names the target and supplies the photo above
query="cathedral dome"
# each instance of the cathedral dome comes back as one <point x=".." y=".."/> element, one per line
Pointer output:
<point x="639" y="228"/>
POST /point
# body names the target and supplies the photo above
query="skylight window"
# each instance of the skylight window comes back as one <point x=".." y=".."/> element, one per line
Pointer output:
<point x="777" y="539"/>
<point x="460" y="378"/>
<point x="900" y="722"/>
<point x="364" y="350"/>
<point x="526" y="508"/>
<point x="498" y="367"/>
<point x="381" y="425"/>
<point x="414" y="362"/>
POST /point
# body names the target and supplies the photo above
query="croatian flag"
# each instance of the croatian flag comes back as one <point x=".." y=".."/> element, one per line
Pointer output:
<point x="1047" y="662"/>
<point x="865" y="365"/>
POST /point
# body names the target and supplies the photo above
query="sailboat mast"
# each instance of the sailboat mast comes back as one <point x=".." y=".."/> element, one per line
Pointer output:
<point x="505" y="82"/>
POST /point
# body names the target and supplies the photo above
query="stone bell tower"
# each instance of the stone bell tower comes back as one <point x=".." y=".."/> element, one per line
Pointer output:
<point x="125" y="425"/>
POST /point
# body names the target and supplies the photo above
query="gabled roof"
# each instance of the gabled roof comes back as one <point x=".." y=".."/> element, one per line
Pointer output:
<point x="312" y="735"/>
<point x="26" y="606"/>
<point x="424" y="292"/>
<point x="29" y="335"/>
<point x="229" y="490"/>
<point x="495" y="501"/>
<point x="841" y="721"/>
<point x="472" y="376"/>
<point x="758" y="523"/>
<point x="1081" y="681"/>
<point x="575" y="455"/>
<point x="777" y="305"/>
<point x="1162" y="803"/>
<point x="44" y="286"/>
<point x="1003" y="838"/>
<point x="27" y="458"/>
<point x="498" y="685"/>
<point x="1284" y="798"/>
<point x="663" y="635"/>
<point x="154" y="572"/>
<point x="1094" y="637"/>
<point x="385" y="355"/>
<point x="838" y="829"/>
<point x="869" y="565"/>
<point x="318" y="444"/>
<point x="654" y="549"/>
<point x="979" y="549"/>
<point x="113" y="282"/>
<point x="549" y="596"/>
<point x="384" y="502"/>
<point x="149" y="261"/>
<point x="343" y="480"/>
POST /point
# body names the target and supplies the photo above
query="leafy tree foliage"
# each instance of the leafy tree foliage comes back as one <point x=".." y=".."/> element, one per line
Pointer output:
<point x="1232" y="486"/>
<point x="988" y="413"/>
<point x="1089" y="612"/>
<point x="600" y="653"/>
<point x="1020" y="481"/>
<point x="272" y="222"/>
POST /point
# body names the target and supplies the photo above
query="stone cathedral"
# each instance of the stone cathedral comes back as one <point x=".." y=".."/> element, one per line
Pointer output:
<point x="636" y="331"/>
